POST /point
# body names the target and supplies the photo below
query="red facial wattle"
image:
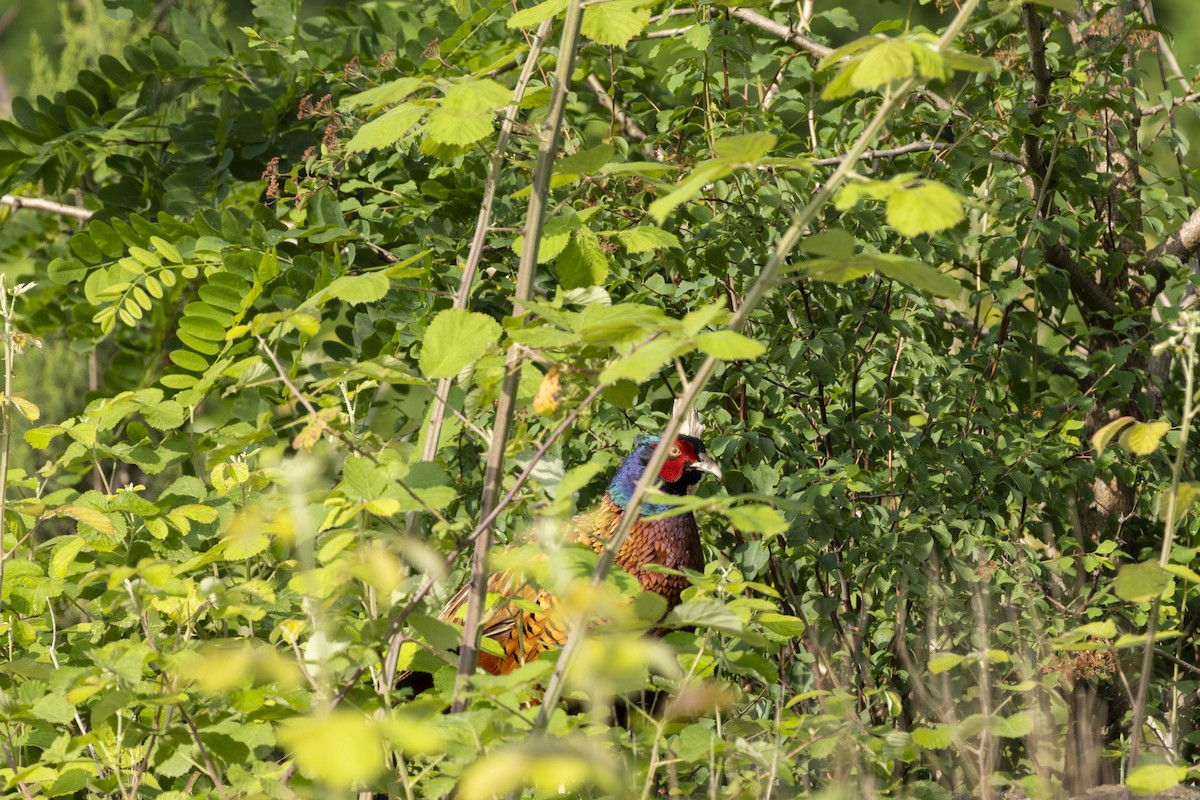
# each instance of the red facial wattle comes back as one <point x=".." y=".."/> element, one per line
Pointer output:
<point x="673" y="467"/>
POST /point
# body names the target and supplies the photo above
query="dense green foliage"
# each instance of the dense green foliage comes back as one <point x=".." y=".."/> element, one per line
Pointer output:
<point x="952" y="427"/>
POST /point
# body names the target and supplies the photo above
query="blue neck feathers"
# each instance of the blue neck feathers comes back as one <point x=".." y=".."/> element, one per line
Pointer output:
<point x="620" y="488"/>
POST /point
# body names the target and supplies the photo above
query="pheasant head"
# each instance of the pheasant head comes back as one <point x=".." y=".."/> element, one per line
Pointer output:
<point x="686" y="464"/>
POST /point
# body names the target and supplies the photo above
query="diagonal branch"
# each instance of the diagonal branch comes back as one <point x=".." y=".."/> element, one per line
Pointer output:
<point x="788" y="34"/>
<point x="632" y="131"/>
<point x="543" y="169"/>
<point x="437" y="414"/>
<point x="762" y="284"/>
<point x="38" y="204"/>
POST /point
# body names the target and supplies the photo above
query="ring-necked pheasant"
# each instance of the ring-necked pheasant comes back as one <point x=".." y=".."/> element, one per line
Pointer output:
<point x="671" y="541"/>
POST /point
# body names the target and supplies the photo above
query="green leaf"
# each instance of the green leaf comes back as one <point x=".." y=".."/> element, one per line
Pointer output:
<point x="644" y="238"/>
<point x="704" y="614"/>
<point x="642" y="363"/>
<point x="704" y="173"/>
<point x="1102" y="437"/>
<point x="582" y="263"/>
<point x="387" y="129"/>
<point x="1017" y="726"/>
<point x="783" y="624"/>
<point x="54" y="708"/>
<point x="833" y="243"/>
<point x="757" y="518"/>
<point x="1154" y="778"/>
<point x="927" y="207"/>
<point x="536" y="15"/>
<point x="917" y="275"/>
<point x="940" y="662"/>
<point x="384" y="94"/>
<point x="890" y="60"/>
<point x="585" y="162"/>
<point x="748" y="147"/>
<point x="1138" y="582"/>
<point x="89" y="516"/>
<point x="370" y="287"/>
<point x="64" y="555"/>
<point x="454" y="339"/>
<point x="729" y="346"/>
<point x="1142" y="438"/>
<point x="465" y="113"/>
<point x="343" y="749"/>
<point x="932" y="738"/>
<point x="614" y="22"/>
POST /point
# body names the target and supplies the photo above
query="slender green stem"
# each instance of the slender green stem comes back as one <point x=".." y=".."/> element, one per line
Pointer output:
<point x="7" y="307"/>
<point x="765" y="281"/>
<point x="1164" y="556"/>
<point x="527" y="269"/>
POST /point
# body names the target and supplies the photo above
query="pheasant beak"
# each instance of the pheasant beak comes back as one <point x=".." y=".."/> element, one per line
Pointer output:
<point x="705" y="465"/>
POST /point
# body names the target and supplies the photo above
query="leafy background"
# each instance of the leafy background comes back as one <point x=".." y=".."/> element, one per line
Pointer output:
<point x="952" y="525"/>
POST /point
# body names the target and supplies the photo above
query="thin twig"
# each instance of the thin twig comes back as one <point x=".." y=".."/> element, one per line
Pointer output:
<point x="789" y="35"/>
<point x="632" y="131"/>
<point x="1176" y="103"/>
<point x="912" y="147"/>
<point x="534" y="221"/>
<point x="209" y="766"/>
<point x="398" y="621"/>
<point x="339" y="435"/>
<point x="764" y="283"/>
<point x="38" y="204"/>
<point x="437" y="414"/>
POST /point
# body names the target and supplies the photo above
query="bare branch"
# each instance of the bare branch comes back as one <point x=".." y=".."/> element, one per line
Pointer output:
<point x="1190" y="97"/>
<point x="1183" y="243"/>
<point x="912" y="147"/>
<point x="789" y="35"/>
<point x="632" y="131"/>
<point x="38" y="204"/>
<point x="437" y="414"/>
<point x="550" y="134"/>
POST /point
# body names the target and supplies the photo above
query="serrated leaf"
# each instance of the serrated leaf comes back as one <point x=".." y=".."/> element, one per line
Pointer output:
<point x="703" y="174"/>
<point x="890" y="60"/>
<point x="757" y="518"/>
<point x="164" y="416"/>
<point x="931" y="738"/>
<point x="536" y="15"/>
<point x="832" y="243"/>
<point x="917" y="275"/>
<point x="26" y="408"/>
<point x="1016" y="726"/>
<point x="585" y="162"/>
<point x="89" y="516"/>
<point x="454" y="339"/>
<point x="729" y="346"/>
<point x="927" y="207"/>
<point x="1142" y="438"/>
<point x="465" y="113"/>
<point x="1138" y="582"/>
<point x="644" y="238"/>
<point x="64" y="555"/>
<point x="642" y="363"/>
<point x="370" y="287"/>
<point x="582" y="263"/>
<point x="384" y="94"/>
<point x="614" y="22"/>
<point x="388" y="128"/>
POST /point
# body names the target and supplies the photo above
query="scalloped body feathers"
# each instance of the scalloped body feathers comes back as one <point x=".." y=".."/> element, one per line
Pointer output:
<point x="670" y="541"/>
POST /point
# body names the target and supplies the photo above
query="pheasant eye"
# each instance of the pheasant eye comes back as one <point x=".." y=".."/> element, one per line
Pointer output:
<point x="675" y="452"/>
